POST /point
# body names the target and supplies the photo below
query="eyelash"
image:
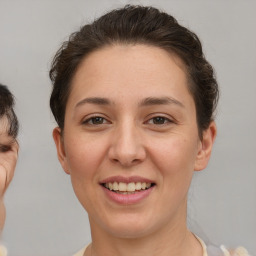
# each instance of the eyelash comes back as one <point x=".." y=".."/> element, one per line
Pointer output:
<point x="89" y="121"/>
<point x="99" y="120"/>
<point x="4" y="148"/>
<point x="164" y="120"/>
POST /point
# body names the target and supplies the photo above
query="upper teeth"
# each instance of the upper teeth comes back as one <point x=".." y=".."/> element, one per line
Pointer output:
<point x="127" y="187"/>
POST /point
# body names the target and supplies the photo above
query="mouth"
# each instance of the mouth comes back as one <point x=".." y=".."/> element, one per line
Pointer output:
<point x="127" y="188"/>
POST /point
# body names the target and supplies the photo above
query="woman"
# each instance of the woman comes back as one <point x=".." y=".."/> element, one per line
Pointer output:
<point x="8" y="148"/>
<point x="134" y="99"/>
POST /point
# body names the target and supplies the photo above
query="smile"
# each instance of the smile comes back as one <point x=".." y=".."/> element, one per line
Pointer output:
<point x="127" y="188"/>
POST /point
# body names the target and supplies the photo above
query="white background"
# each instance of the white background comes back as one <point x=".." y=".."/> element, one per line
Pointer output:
<point x="44" y="217"/>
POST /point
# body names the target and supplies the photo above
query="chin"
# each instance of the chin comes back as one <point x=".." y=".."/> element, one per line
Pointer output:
<point x="128" y="232"/>
<point x="130" y="226"/>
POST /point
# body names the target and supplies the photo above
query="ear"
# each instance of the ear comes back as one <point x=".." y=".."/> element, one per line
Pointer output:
<point x="59" y="143"/>
<point x="205" y="147"/>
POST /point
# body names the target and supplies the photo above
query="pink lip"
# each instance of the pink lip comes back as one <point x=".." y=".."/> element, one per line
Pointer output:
<point x="126" y="179"/>
<point x="127" y="199"/>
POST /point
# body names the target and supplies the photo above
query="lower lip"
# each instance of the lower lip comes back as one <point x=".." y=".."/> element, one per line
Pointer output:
<point x="128" y="198"/>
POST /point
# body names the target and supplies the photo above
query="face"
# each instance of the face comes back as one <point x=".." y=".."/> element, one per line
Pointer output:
<point x="8" y="159"/>
<point x="130" y="141"/>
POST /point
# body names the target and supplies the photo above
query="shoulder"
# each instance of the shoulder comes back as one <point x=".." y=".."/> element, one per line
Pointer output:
<point x="223" y="251"/>
<point x="239" y="251"/>
<point x="3" y="251"/>
<point x="80" y="253"/>
<point x="212" y="250"/>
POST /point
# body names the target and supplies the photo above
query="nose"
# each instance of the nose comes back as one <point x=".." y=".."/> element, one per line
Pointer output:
<point x="127" y="147"/>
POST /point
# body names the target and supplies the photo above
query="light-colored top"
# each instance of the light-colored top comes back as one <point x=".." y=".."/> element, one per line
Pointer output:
<point x="81" y="252"/>
<point x="3" y="251"/>
<point x="222" y="251"/>
<point x="207" y="251"/>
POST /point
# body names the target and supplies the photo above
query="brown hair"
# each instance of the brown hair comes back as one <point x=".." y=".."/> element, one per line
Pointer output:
<point x="6" y="110"/>
<point x="136" y="25"/>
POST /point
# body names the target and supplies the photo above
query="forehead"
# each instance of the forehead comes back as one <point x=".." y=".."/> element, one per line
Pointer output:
<point x="136" y="56"/>
<point x="5" y="138"/>
<point x="4" y="124"/>
<point x="127" y="67"/>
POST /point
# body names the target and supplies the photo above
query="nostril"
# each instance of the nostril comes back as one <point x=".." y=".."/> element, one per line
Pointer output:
<point x="136" y="160"/>
<point x="126" y="162"/>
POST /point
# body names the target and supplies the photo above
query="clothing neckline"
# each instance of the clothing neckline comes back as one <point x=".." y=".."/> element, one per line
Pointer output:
<point x="82" y="251"/>
<point x="202" y="244"/>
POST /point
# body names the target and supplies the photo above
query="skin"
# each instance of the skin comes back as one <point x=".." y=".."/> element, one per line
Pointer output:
<point x="8" y="158"/>
<point x="134" y="136"/>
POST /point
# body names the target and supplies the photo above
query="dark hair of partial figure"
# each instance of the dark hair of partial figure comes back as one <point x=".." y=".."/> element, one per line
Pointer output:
<point x="136" y="25"/>
<point x="6" y="110"/>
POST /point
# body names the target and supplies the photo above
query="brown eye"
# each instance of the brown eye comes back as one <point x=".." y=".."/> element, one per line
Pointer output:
<point x="4" y="148"/>
<point x="96" y="120"/>
<point x="159" y="120"/>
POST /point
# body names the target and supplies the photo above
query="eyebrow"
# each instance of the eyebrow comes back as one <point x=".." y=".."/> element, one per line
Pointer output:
<point x="149" y="101"/>
<point x="160" y="101"/>
<point x="94" y="100"/>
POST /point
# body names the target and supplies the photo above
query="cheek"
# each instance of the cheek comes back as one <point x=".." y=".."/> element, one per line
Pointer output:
<point x="175" y="159"/>
<point x="84" y="156"/>
<point x="175" y="152"/>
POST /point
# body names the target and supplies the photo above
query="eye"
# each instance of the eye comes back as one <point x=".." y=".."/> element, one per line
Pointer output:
<point x="96" y="120"/>
<point x="4" y="148"/>
<point x="159" y="120"/>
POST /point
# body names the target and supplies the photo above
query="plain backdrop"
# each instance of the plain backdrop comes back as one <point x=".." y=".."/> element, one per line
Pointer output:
<point x="44" y="217"/>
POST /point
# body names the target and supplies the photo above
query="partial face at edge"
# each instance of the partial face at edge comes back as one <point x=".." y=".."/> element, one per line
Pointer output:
<point x="8" y="159"/>
<point x="130" y="118"/>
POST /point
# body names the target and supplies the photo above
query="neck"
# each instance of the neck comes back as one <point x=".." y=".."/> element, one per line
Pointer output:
<point x="173" y="239"/>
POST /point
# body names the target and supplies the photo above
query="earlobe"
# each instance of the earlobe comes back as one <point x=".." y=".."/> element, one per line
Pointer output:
<point x="58" y="139"/>
<point x="205" y="147"/>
